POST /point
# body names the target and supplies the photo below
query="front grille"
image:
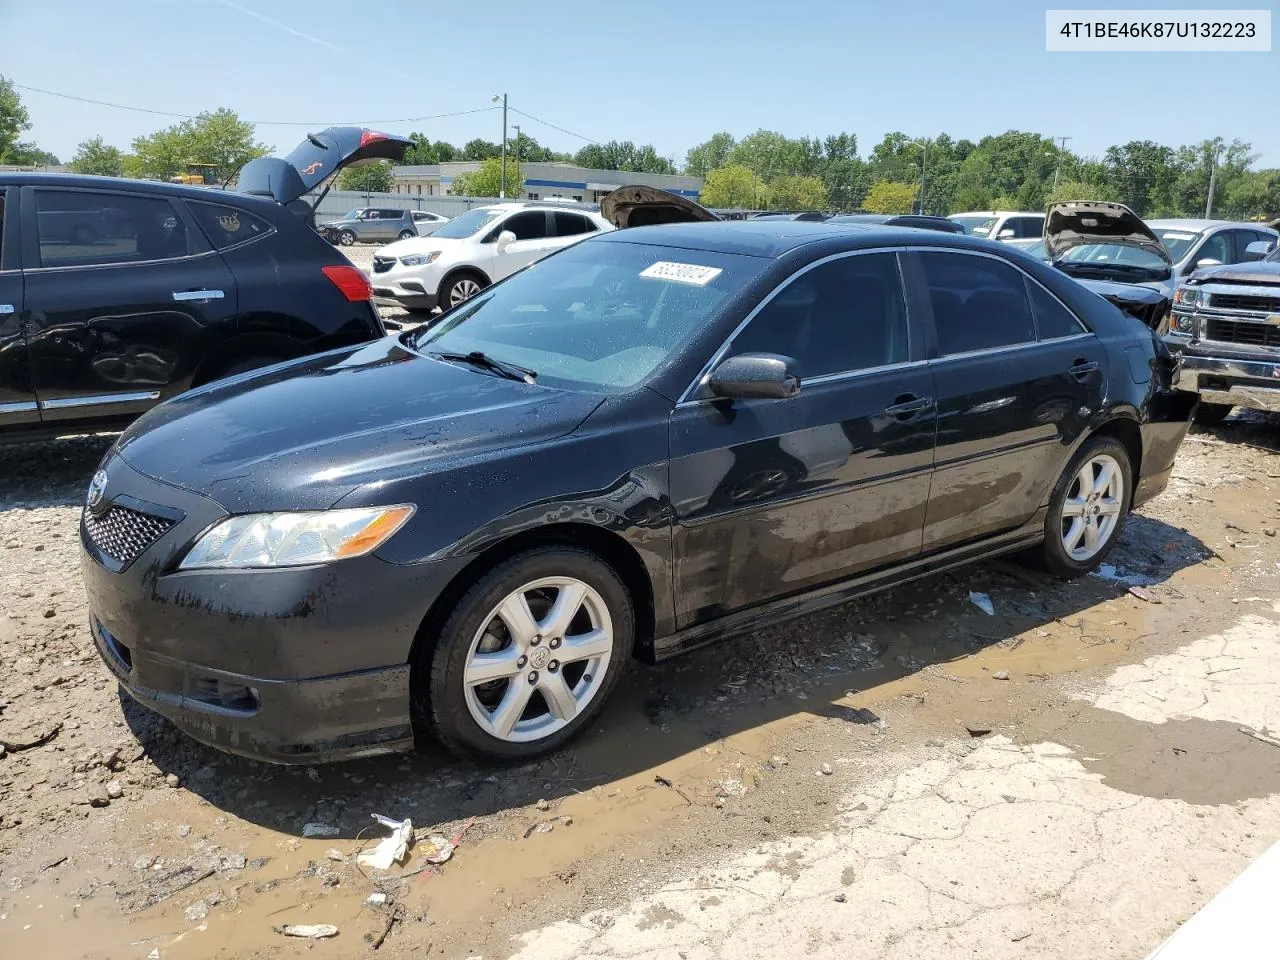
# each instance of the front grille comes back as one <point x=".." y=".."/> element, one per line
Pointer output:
<point x="1242" y="331"/>
<point x="383" y="264"/>
<point x="123" y="534"/>
<point x="1245" y="301"/>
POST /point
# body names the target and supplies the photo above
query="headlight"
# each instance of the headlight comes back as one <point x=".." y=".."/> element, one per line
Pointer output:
<point x="295" y="539"/>
<point x="1186" y="296"/>
<point x="420" y="259"/>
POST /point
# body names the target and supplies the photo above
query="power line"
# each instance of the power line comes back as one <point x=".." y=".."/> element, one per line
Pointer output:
<point x="547" y="123"/>
<point x="263" y="123"/>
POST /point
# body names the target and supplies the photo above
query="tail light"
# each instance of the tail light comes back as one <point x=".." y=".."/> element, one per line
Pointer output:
<point x="354" y="285"/>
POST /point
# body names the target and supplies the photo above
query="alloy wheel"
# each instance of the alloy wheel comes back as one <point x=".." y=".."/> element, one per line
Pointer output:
<point x="539" y="659"/>
<point x="1091" y="511"/>
<point x="464" y="289"/>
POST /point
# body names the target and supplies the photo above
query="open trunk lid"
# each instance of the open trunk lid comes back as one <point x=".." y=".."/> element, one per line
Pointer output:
<point x="643" y="206"/>
<point x="318" y="157"/>
<point x="1077" y="222"/>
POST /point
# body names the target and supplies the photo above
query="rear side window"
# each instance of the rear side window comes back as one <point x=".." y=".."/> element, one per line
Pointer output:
<point x="81" y="229"/>
<point x="842" y="316"/>
<point x="572" y="224"/>
<point x="227" y="226"/>
<point x="530" y="225"/>
<point x="1053" y="320"/>
<point x="979" y="303"/>
<point x="392" y="214"/>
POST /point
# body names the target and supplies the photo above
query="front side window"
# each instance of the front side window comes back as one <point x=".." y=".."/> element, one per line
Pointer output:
<point x="227" y="226"/>
<point x="841" y="316"/>
<point x="1025" y="228"/>
<point x="979" y="303"/>
<point x="530" y="225"/>
<point x="80" y="228"/>
<point x="1217" y="247"/>
<point x="596" y="316"/>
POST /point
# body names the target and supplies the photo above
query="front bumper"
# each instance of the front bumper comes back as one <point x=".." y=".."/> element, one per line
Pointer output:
<point x="416" y="288"/>
<point x="1233" y="381"/>
<point x="295" y="665"/>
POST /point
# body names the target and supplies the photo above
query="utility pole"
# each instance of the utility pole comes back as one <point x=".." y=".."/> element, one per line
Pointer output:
<point x="924" y="167"/>
<point x="517" y="126"/>
<point x="1058" y="169"/>
<point x="1213" y="180"/>
<point x="503" y="189"/>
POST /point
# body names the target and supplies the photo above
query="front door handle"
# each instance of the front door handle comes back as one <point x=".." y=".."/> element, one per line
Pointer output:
<point x="6" y="309"/>
<point x="908" y="404"/>
<point x="184" y="295"/>
<point x="1082" y="369"/>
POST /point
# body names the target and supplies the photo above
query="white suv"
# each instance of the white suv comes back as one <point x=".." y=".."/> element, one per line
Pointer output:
<point x="1002" y="225"/>
<point x="473" y="250"/>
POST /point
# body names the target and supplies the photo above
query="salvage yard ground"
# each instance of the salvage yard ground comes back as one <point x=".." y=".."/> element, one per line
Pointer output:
<point x="897" y="778"/>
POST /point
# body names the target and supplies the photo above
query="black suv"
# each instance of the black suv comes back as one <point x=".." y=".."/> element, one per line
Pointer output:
<point x="118" y="294"/>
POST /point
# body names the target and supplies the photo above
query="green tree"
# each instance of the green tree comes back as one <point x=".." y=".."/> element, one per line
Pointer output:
<point x="220" y="138"/>
<point x="798" y="193"/>
<point x="1015" y="167"/>
<point x="1080" y="190"/>
<point x="372" y="177"/>
<point x="734" y="186"/>
<point x="424" y="151"/>
<point x="487" y="181"/>
<point x="885" y="196"/>
<point x="478" y="149"/>
<point x="14" y="118"/>
<point x="1254" y="195"/>
<point x="708" y="156"/>
<point x="623" y="155"/>
<point x="769" y="154"/>
<point x="26" y="154"/>
<point x="1141" y="174"/>
<point x="97" y="157"/>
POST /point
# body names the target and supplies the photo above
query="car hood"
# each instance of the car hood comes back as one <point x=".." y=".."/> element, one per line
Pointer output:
<point x="302" y="435"/>
<point x="410" y="245"/>
<point x="1260" y="271"/>
<point x="317" y="158"/>
<point x="643" y="206"/>
<point x="1078" y="222"/>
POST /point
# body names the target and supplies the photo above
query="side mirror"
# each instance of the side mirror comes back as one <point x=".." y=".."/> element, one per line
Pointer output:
<point x="1257" y="250"/>
<point x="1208" y="262"/>
<point x="505" y="239"/>
<point x="749" y="376"/>
<point x="1005" y="234"/>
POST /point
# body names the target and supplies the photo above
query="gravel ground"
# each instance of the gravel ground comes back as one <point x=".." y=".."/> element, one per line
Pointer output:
<point x="112" y="819"/>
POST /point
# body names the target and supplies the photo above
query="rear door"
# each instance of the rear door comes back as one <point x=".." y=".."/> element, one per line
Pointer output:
<point x="122" y="289"/>
<point x="17" y="395"/>
<point x="774" y="497"/>
<point x="1010" y="401"/>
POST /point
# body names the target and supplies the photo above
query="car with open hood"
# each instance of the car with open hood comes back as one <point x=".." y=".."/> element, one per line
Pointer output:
<point x="654" y="438"/>
<point x="117" y="294"/>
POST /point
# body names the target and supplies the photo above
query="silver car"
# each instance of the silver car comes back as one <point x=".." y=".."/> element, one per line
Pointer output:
<point x="1208" y="243"/>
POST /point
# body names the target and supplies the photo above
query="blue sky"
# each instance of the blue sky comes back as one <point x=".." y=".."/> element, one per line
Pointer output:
<point x="665" y="72"/>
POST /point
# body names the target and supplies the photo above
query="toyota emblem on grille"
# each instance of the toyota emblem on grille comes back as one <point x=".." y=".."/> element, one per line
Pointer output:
<point x="97" y="487"/>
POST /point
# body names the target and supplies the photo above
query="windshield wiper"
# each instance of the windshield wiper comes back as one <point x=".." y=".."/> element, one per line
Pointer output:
<point x="478" y="359"/>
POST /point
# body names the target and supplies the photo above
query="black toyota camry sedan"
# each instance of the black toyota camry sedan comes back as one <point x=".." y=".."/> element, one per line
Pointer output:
<point x="652" y="439"/>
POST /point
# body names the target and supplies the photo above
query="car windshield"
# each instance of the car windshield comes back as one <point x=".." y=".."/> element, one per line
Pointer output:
<point x="976" y="226"/>
<point x="599" y="316"/>
<point x="1038" y="251"/>
<point x="1177" y="242"/>
<point x="471" y="222"/>
<point x="1107" y="253"/>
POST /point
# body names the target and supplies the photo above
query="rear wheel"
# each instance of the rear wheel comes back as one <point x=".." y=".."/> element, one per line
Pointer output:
<point x="1087" y="508"/>
<point x="406" y="234"/>
<point x="346" y="238"/>
<point x="461" y="287"/>
<point x="1211" y="414"/>
<point x="529" y="655"/>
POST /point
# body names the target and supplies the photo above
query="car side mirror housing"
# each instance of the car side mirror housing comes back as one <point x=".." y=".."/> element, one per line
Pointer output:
<point x="1208" y="262"/>
<point x="755" y="376"/>
<point x="1005" y="234"/>
<point x="505" y="239"/>
<point x="1257" y="250"/>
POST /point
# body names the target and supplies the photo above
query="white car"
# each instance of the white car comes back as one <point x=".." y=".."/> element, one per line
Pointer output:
<point x="473" y="250"/>
<point x="427" y="223"/>
<point x="1001" y="224"/>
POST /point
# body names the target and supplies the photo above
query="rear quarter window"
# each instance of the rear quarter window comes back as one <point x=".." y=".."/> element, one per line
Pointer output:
<point x="227" y="226"/>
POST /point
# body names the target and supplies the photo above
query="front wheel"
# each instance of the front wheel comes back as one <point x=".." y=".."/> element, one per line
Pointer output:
<point x="346" y="238"/>
<point x="1087" y="508"/>
<point x="1211" y="414"/>
<point x="529" y="655"/>
<point x="461" y="287"/>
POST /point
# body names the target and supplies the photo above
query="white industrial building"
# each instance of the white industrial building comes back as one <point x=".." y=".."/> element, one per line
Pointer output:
<point x="541" y="181"/>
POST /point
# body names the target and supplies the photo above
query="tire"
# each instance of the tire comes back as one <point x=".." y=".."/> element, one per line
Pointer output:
<point x="346" y="238"/>
<point x="1059" y="530"/>
<point x="406" y="234"/>
<point x="1211" y="414"/>
<point x="467" y="717"/>
<point x="457" y="285"/>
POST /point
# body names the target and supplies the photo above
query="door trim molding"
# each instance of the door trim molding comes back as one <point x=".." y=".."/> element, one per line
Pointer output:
<point x="20" y="406"/>
<point x="64" y="403"/>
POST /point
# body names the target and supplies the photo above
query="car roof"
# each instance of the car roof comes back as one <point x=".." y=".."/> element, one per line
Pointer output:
<point x="127" y="184"/>
<point x="1193" y="224"/>
<point x="775" y="238"/>
<point x="997" y="213"/>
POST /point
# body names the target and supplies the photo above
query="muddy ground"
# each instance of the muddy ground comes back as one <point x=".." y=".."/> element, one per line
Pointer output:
<point x="119" y="837"/>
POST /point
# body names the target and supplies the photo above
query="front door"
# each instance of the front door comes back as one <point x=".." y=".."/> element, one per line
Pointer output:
<point x="1011" y="398"/>
<point x="775" y="497"/>
<point x="17" y="395"/>
<point x="534" y="239"/>
<point x="118" y="288"/>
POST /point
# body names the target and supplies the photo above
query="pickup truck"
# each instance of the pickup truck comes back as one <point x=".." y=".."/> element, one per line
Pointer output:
<point x="1224" y="329"/>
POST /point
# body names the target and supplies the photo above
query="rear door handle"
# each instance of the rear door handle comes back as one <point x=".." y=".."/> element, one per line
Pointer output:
<point x="184" y="295"/>
<point x="1082" y="368"/>
<point x="909" y="404"/>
